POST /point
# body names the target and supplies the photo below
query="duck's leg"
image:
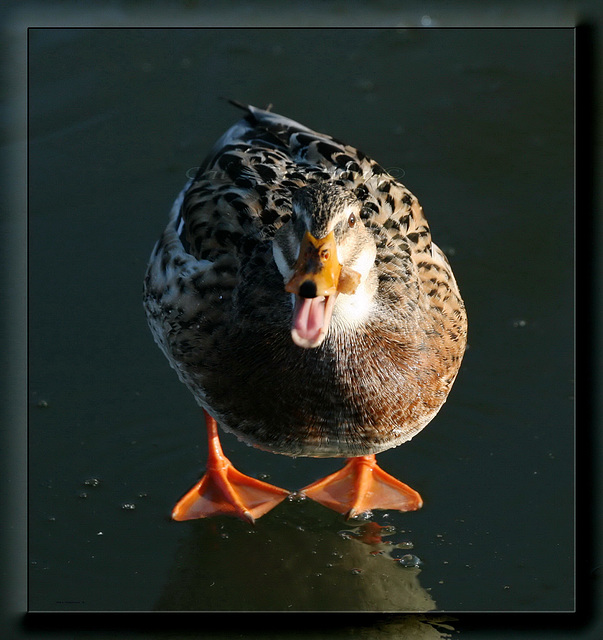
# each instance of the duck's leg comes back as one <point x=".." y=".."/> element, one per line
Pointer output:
<point x="362" y="486"/>
<point x="225" y="491"/>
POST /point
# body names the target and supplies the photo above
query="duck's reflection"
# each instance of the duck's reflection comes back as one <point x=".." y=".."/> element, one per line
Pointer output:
<point x="300" y="557"/>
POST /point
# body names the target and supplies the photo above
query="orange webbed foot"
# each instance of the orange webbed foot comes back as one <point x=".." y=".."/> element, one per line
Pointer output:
<point x="362" y="486"/>
<point x="224" y="490"/>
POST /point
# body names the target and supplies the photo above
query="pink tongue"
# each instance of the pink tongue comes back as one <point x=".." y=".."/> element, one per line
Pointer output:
<point x="309" y="317"/>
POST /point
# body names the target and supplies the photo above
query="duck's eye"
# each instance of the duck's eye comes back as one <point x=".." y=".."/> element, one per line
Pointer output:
<point x="351" y="220"/>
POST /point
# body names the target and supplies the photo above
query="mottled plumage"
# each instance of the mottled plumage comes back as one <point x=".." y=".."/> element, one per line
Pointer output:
<point x="216" y="301"/>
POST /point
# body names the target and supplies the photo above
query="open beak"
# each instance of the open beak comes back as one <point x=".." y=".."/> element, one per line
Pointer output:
<point x="317" y="279"/>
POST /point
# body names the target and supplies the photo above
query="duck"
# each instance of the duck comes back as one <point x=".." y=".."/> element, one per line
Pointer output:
<point x="298" y="294"/>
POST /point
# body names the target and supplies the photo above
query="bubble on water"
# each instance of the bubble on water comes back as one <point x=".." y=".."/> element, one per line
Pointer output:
<point x="297" y="497"/>
<point x="405" y="544"/>
<point x="42" y="404"/>
<point x="82" y="494"/>
<point x="359" y="518"/>
<point x="346" y="535"/>
<point x="92" y="482"/>
<point x="128" y="506"/>
<point x="410" y="560"/>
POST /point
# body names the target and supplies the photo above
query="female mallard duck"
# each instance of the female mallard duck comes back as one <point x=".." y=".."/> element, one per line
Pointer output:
<point x="297" y="293"/>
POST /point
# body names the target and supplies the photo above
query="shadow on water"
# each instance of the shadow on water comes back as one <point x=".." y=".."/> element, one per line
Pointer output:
<point x="321" y="562"/>
<point x="301" y="557"/>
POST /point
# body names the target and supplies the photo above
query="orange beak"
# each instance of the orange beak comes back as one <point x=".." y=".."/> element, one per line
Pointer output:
<point x="316" y="272"/>
<point x="317" y="279"/>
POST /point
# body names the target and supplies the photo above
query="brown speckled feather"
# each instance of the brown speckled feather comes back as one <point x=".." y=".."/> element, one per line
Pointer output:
<point x="217" y="306"/>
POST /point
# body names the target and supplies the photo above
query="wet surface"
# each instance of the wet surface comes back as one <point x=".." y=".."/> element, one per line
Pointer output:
<point x="478" y="125"/>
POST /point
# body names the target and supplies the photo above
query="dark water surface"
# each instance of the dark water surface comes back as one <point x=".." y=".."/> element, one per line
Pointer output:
<point x="479" y="125"/>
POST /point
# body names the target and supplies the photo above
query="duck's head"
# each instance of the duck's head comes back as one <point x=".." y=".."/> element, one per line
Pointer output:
<point x="325" y="255"/>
